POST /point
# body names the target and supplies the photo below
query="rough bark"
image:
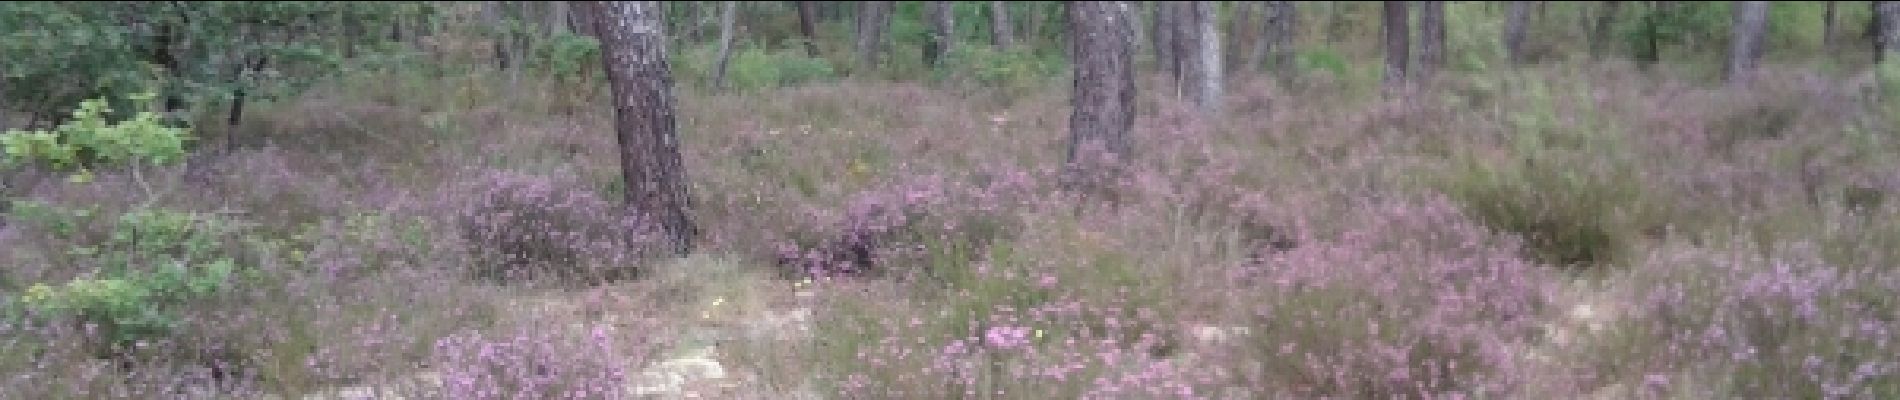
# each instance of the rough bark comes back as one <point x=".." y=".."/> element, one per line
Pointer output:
<point x="1200" y="55"/>
<point x="633" y="48"/>
<point x="1164" y="28"/>
<point x="1747" y="32"/>
<point x="940" y="33"/>
<point x="1431" y="38"/>
<point x="558" y="17"/>
<point x="873" y="20"/>
<point x="1600" y="34"/>
<point x="1516" y="23"/>
<point x="1276" y="36"/>
<point x="727" y="19"/>
<point x="1104" y="98"/>
<point x="1887" y="31"/>
<point x="1397" y="43"/>
<point x="808" y="27"/>
<point x="1000" y="35"/>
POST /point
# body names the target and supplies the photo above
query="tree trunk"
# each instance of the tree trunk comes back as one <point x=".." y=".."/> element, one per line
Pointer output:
<point x="1750" y="26"/>
<point x="1516" y="22"/>
<point x="1397" y="41"/>
<point x="1198" y="47"/>
<point x="633" y="47"/>
<point x="1000" y="34"/>
<point x="1887" y="31"/>
<point x="1431" y="38"/>
<point x="727" y="18"/>
<point x="1827" y="25"/>
<point x="558" y="17"/>
<point x="940" y="32"/>
<point x="872" y="21"/>
<point x="808" y="26"/>
<point x="1243" y="18"/>
<point x="1600" y="35"/>
<point x="492" y="18"/>
<point x="1164" y="28"/>
<point x="584" y="20"/>
<point x="1104" y="98"/>
<point x="1276" y="37"/>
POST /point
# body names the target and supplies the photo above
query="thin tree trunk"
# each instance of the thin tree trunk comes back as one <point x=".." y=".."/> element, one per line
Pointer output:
<point x="1600" y="35"/>
<point x="727" y="18"/>
<point x="1516" y="23"/>
<point x="1164" y="29"/>
<point x="1827" y="25"/>
<point x="1198" y="47"/>
<point x="1104" y="98"/>
<point x="1887" y="31"/>
<point x="1652" y="31"/>
<point x="1397" y="38"/>
<point x="1431" y="37"/>
<point x="872" y="20"/>
<point x="1745" y="41"/>
<point x="1276" y="35"/>
<point x="633" y="49"/>
<point x="1243" y="18"/>
<point x="808" y="26"/>
<point x="1000" y="35"/>
<point x="493" y="19"/>
<point x="558" y="17"/>
<point x="940" y="34"/>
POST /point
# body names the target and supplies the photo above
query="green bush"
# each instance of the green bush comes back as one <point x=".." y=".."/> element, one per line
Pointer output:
<point x="1016" y="70"/>
<point x="1566" y="216"/>
<point x="89" y="139"/>
<point x="146" y="265"/>
<point x="753" y="68"/>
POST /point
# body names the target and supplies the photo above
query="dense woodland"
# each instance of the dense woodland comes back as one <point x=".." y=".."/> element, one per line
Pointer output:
<point x="950" y="199"/>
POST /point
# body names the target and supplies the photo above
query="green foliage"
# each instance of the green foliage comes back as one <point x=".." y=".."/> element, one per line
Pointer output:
<point x="567" y="56"/>
<point x="193" y="53"/>
<point x="88" y="139"/>
<point x="1015" y="71"/>
<point x="754" y="68"/>
<point x="1696" y="25"/>
<point x="145" y="266"/>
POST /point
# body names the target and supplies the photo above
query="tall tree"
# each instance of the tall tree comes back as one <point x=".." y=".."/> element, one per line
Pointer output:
<point x="1746" y="36"/>
<point x="1516" y="22"/>
<point x="1164" y="28"/>
<point x="1104" y="98"/>
<point x="558" y="16"/>
<point x="1600" y="34"/>
<point x="1000" y="35"/>
<point x="1431" y="38"/>
<point x="1397" y="40"/>
<point x="633" y="46"/>
<point x="727" y="19"/>
<point x="1278" y="24"/>
<point x="1197" y="48"/>
<point x="940" y="31"/>
<point x="808" y="27"/>
<point x="873" y="19"/>
<point x="1887" y="31"/>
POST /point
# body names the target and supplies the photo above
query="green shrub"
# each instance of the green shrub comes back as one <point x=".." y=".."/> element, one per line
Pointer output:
<point x="89" y="139"/>
<point x="1014" y="71"/>
<point x="145" y="265"/>
<point x="754" y="68"/>
<point x="1565" y="215"/>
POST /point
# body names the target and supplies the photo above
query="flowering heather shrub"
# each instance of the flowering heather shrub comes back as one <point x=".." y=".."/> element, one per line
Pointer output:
<point x="929" y="222"/>
<point x="522" y="226"/>
<point x="1744" y="320"/>
<point x="1416" y="302"/>
<point x="537" y="363"/>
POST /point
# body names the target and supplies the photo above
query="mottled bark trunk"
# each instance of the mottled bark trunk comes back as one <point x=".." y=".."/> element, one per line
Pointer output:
<point x="1000" y="35"/>
<point x="808" y="27"/>
<point x="1749" y="28"/>
<point x="939" y="33"/>
<point x="1397" y="43"/>
<point x="633" y="47"/>
<point x="1887" y="31"/>
<point x="1163" y="32"/>
<point x="1104" y="98"/>
<point x="1517" y="22"/>
<point x="1431" y="38"/>
<point x="872" y="21"/>
<point x="1606" y="20"/>
<point x="1200" y="55"/>
<point x="728" y="17"/>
